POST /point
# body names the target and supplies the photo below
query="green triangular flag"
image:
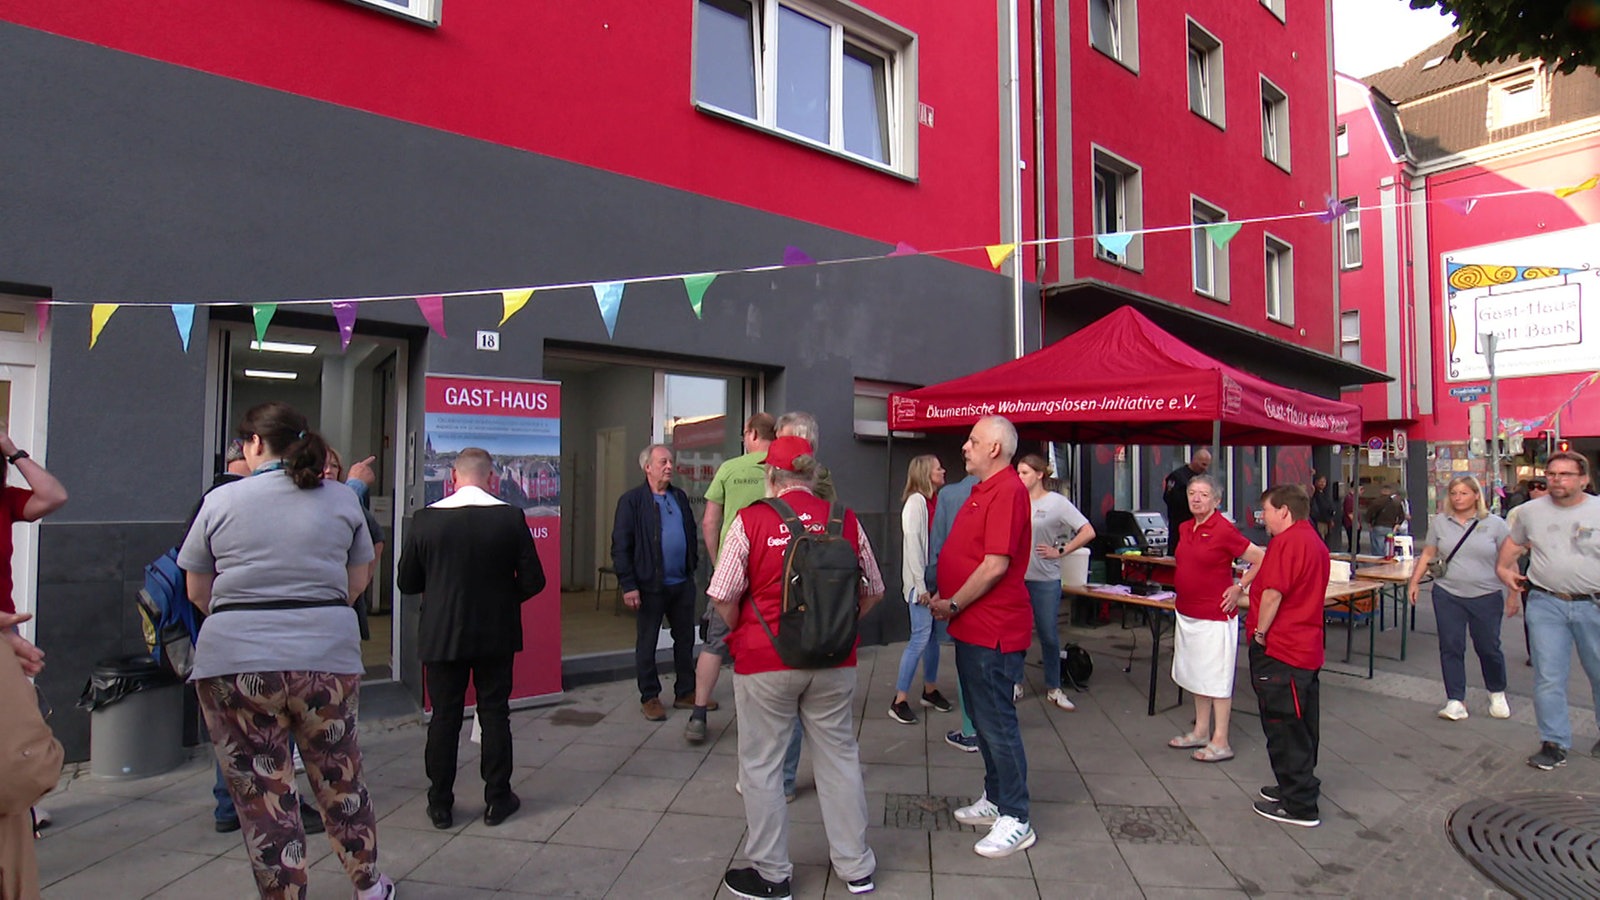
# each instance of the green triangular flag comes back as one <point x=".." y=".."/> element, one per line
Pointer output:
<point x="696" y="286"/>
<point x="262" y="313"/>
<point x="1222" y="232"/>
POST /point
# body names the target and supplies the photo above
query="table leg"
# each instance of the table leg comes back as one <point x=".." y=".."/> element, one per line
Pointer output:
<point x="1155" y="656"/>
<point x="1372" y="641"/>
<point x="1349" y="628"/>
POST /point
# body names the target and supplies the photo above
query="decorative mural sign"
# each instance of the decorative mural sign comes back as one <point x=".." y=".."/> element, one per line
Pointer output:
<point x="1546" y="319"/>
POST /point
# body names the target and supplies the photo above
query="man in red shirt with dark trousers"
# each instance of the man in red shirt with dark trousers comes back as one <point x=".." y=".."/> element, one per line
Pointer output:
<point x="991" y="621"/>
<point x="1287" y="593"/>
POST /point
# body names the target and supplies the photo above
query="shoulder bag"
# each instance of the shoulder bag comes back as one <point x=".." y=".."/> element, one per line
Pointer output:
<point x="1437" y="567"/>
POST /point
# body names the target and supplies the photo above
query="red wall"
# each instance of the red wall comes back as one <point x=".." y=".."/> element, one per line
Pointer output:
<point x="606" y="83"/>
<point x="1145" y="119"/>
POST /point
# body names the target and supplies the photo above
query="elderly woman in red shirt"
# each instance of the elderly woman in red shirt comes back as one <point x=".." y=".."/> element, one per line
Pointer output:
<point x="1206" y="648"/>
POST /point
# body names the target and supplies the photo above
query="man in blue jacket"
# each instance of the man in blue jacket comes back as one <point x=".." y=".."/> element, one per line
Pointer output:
<point x="654" y="552"/>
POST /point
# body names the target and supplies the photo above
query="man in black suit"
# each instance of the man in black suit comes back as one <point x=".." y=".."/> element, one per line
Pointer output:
<point x="472" y="559"/>
<point x="654" y="552"/>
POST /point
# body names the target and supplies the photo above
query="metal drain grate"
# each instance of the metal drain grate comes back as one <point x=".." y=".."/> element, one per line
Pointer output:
<point x="918" y="812"/>
<point x="1149" y="825"/>
<point x="580" y="717"/>
<point x="1533" y="845"/>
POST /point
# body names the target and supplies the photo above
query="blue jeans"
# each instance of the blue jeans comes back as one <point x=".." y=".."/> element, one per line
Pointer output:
<point x="1456" y="616"/>
<point x="224" y="811"/>
<point x="1046" y="597"/>
<point x="987" y="676"/>
<point x="791" y="759"/>
<point x="1379" y="538"/>
<point x="922" y="647"/>
<point x="1554" y="626"/>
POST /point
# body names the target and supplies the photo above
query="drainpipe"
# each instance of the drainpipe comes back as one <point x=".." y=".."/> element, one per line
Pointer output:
<point x="1038" y="155"/>
<point x="1013" y="162"/>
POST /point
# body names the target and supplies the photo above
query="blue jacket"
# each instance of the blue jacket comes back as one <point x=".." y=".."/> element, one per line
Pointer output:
<point x="951" y="498"/>
<point x="636" y="539"/>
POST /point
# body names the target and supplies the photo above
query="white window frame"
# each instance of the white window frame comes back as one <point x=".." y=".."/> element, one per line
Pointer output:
<point x="1201" y="247"/>
<point x="1350" y="227"/>
<point x="1502" y="114"/>
<point x="1278" y="279"/>
<point x="1278" y="8"/>
<point x="1123" y="41"/>
<point x="1350" y="335"/>
<point x="849" y="25"/>
<point x="424" y="11"/>
<point x="1129" y="206"/>
<point x="1204" y="55"/>
<point x="1274" y="124"/>
<point x="1341" y="140"/>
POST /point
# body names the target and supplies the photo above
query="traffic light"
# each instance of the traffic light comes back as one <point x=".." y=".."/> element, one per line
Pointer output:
<point x="1563" y="446"/>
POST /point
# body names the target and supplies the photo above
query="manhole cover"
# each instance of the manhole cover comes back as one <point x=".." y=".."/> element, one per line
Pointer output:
<point x="1149" y="825"/>
<point x="1533" y="845"/>
<point x="918" y="812"/>
<point x="581" y="717"/>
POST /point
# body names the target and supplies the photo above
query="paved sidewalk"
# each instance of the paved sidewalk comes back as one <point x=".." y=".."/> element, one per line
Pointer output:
<point x="617" y="806"/>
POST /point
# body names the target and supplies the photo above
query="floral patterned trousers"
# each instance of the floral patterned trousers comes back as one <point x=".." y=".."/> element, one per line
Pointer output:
<point x="251" y="717"/>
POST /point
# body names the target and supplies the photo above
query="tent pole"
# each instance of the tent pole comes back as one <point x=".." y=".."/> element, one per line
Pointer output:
<point x="1216" y="440"/>
<point x="888" y="490"/>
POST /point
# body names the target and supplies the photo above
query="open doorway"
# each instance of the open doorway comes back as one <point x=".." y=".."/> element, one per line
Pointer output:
<point x="354" y="397"/>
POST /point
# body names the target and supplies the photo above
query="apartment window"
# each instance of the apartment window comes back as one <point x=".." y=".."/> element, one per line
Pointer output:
<point x="1350" y="335"/>
<point x="1350" y="234"/>
<point x="1276" y="7"/>
<point x="1205" y="74"/>
<point x="1114" y="30"/>
<point x="1274" y="125"/>
<point x="1519" y="98"/>
<point x="1117" y="207"/>
<point x="1210" y="261"/>
<point x="1341" y="141"/>
<point x="872" y="409"/>
<point x="1279" y="280"/>
<point x="823" y="72"/>
<point x="426" y="11"/>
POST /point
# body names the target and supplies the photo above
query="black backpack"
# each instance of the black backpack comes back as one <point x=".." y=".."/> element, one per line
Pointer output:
<point x="821" y="586"/>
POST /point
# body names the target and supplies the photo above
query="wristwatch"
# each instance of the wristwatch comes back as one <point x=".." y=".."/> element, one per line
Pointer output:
<point x="1260" y="637"/>
<point x="20" y="454"/>
<point x="954" y="607"/>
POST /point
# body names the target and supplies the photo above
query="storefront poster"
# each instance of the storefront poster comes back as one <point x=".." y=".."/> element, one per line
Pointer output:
<point x="519" y="424"/>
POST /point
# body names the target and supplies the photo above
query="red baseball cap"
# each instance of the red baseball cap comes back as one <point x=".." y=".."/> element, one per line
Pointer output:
<point x="781" y="453"/>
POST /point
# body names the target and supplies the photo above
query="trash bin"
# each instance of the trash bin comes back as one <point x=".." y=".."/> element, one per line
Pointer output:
<point x="135" y="718"/>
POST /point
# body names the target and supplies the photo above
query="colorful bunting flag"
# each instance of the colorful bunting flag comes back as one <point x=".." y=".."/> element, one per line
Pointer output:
<point x="99" y="315"/>
<point x="511" y="302"/>
<point x="1334" y="211"/>
<point x="903" y="249"/>
<point x="609" y="297"/>
<point x="344" y="313"/>
<point x="263" y="313"/>
<point x="1221" y="233"/>
<point x="999" y="253"/>
<point x="794" y="256"/>
<point x="432" y="307"/>
<point x="696" y="286"/>
<point x="41" y="310"/>
<point x="1589" y="185"/>
<point x="1461" y="206"/>
<point x="1115" y="243"/>
<point x="183" y="317"/>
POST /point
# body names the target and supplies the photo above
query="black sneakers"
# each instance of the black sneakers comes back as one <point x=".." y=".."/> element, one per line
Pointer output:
<point x="1270" y="792"/>
<point x="1550" y="756"/>
<point x="936" y="700"/>
<point x="900" y="711"/>
<point x="1277" y="812"/>
<point x="749" y="883"/>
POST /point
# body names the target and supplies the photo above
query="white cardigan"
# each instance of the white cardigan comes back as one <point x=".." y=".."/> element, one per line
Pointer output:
<point x="914" y="553"/>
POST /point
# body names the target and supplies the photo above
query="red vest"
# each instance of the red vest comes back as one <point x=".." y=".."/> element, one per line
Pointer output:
<point x="748" y="642"/>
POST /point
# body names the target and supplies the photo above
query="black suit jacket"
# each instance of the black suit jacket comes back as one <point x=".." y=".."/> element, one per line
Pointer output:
<point x="636" y="538"/>
<point x="474" y="567"/>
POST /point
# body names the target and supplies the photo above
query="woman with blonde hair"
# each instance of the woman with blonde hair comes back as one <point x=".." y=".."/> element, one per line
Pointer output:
<point x="924" y="477"/>
<point x="1468" y="596"/>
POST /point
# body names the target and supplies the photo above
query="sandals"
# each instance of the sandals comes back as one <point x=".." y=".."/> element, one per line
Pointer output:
<point x="1212" y="754"/>
<point x="1188" y="742"/>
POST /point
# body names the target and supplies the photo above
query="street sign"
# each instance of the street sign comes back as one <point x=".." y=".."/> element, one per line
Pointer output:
<point x="1468" y="393"/>
<point x="1400" y="443"/>
<point x="1374" y="456"/>
<point x="1374" y="443"/>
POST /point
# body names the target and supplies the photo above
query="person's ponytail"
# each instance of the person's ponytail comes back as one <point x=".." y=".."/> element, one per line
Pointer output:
<point x="305" y="460"/>
<point x="288" y="436"/>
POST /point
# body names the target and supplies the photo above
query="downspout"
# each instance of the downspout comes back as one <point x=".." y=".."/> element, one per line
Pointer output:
<point x="1013" y="161"/>
<point x="1038" y="157"/>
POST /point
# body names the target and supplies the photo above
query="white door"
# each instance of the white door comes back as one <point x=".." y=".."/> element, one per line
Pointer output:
<point x="23" y="363"/>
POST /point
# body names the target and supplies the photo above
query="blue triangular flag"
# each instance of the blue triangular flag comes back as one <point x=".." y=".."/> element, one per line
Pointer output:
<point x="609" y="296"/>
<point x="183" y="315"/>
<point x="1116" y="242"/>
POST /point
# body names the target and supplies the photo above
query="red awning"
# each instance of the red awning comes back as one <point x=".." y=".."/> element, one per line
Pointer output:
<point x="1124" y="380"/>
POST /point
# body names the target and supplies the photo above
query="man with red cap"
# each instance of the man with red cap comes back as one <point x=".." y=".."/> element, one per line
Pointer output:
<point x="768" y="695"/>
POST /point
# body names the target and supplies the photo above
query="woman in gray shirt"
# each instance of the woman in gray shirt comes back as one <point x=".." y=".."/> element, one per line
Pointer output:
<point x="1469" y="598"/>
<point x="275" y="560"/>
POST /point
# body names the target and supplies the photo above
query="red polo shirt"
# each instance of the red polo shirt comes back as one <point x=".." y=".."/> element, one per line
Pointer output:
<point x="1296" y="566"/>
<point x="1205" y="565"/>
<point x="996" y="519"/>
<point x="12" y="501"/>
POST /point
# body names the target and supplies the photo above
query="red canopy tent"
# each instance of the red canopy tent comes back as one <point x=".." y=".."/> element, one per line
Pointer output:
<point x="1124" y="380"/>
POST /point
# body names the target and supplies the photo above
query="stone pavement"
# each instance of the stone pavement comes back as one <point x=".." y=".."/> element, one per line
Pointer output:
<point x="615" y="806"/>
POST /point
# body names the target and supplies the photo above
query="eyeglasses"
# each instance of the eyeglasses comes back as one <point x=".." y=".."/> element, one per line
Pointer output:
<point x="1539" y="486"/>
<point x="1563" y="474"/>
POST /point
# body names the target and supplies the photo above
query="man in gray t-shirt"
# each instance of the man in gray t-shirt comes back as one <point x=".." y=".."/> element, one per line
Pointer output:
<point x="1562" y="531"/>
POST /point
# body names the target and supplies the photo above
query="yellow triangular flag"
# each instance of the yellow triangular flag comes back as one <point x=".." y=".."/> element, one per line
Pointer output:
<point x="98" y="317"/>
<point x="1589" y="185"/>
<point x="999" y="253"/>
<point x="512" y="302"/>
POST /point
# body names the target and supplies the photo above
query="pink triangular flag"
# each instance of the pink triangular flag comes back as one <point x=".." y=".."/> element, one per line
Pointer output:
<point x="432" y="307"/>
<point x="794" y="256"/>
<point x="1460" y="205"/>
<point x="903" y="249"/>
<point x="41" y="311"/>
<point x="344" y="313"/>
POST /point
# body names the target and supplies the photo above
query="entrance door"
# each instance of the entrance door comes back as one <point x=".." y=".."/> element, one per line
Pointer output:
<point x="22" y="414"/>
<point x="355" y="398"/>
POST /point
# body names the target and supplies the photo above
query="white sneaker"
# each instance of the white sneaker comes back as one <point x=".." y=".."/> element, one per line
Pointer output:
<point x="294" y="755"/>
<point x="1016" y="693"/>
<point x="981" y="812"/>
<point x="1455" y="711"/>
<point x="1006" y="837"/>
<point x="1059" y="698"/>
<point x="1498" y="707"/>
